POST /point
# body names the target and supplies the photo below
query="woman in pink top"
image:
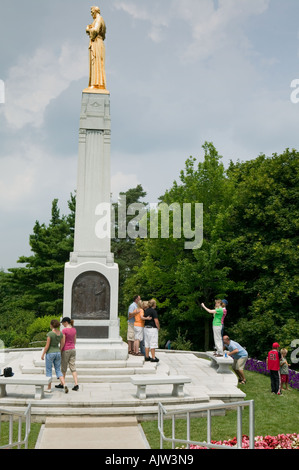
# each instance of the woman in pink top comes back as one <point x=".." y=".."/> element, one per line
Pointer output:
<point x="224" y="305"/>
<point x="68" y="352"/>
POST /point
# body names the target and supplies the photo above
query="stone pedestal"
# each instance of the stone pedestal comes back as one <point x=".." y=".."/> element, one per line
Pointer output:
<point x="91" y="276"/>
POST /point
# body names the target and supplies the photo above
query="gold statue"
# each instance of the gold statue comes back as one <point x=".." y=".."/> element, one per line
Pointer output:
<point x="97" y="33"/>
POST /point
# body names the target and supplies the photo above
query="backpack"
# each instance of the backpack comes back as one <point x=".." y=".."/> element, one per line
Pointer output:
<point x="7" y="372"/>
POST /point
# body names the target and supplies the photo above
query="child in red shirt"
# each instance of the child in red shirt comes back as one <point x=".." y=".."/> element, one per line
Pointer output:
<point x="273" y="365"/>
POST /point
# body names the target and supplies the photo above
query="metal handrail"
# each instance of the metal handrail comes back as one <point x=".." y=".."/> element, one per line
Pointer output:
<point x="162" y="412"/>
<point x="20" y="415"/>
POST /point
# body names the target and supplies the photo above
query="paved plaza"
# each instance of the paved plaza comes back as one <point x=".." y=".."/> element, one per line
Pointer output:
<point x="107" y="400"/>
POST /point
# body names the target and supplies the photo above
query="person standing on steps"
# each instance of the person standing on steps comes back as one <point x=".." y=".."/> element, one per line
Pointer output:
<point x="131" y="320"/>
<point x="224" y="303"/>
<point x="53" y="354"/>
<point x="139" y="327"/>
<point x="217" y="326"/>
<point x="151" y="331"/>
<point x="68" y="351"/>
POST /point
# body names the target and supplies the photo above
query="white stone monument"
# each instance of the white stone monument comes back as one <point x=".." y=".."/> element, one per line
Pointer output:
<point x="91" y="276"/>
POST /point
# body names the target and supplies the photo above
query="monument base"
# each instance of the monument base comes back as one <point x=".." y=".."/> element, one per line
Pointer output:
<point x="101" y="350"/>
<point x="98" y="337"/>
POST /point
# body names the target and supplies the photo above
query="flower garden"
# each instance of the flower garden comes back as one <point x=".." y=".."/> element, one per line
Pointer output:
<point x="260" y="367"/>
<point x="281" y="441"/>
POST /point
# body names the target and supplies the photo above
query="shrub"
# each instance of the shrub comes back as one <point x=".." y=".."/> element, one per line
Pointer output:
<point x="40" y="325"/>
<point x="123" y="327"/>
<point x="181" y="343"/>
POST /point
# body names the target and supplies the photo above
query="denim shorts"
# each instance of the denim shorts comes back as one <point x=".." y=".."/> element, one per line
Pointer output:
<point x="53" y="359"/>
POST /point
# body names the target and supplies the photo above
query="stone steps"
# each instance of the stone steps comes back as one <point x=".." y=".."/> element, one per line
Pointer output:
<point x="143" y="410"/>
<point x="100" y="371"/>
<point x="96" y="372"/>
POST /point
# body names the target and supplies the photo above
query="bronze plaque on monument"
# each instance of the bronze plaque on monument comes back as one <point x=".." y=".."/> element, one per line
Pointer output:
<point x="91" y="297"/>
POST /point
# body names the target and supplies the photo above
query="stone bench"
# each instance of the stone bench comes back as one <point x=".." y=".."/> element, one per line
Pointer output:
<point x="222" y="364"/>
<point x="177" y="381"/>
<point x="39" y="383"/>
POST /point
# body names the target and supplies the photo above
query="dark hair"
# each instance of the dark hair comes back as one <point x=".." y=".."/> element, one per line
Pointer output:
<point x="67" y="320"/>
<point x="55" y="323"/>
<point x="135" y="297"/>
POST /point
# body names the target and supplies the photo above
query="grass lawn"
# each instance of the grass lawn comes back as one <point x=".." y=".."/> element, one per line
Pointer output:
<point x="34" y="431"/>
<point x="274" y="414"/>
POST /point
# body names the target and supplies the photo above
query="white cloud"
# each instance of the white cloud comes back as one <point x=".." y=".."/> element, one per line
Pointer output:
<point x="28" y="176"/>
<point x="158" y="22"/>
<point x="121" y="182"/>
<point x="213" y="29"/>
<point x="33" y="82"/>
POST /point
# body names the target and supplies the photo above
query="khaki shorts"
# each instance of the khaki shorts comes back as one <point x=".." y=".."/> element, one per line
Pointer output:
<point x="68" y="358"/>
<point x="239" y="364"/>
<point x="131" y="333"/>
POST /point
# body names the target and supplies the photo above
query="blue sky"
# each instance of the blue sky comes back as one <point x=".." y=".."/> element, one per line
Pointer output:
<point x="180" y="72"/>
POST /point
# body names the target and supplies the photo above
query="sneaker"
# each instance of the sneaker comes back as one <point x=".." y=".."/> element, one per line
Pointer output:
<point x="48" y="391"/>
<point x="66" y="390"/>
<point x="147" y="358"/>
<point x="155" y="360"/>
<point x="59" y="386"/>
<point x="76" y="388"/>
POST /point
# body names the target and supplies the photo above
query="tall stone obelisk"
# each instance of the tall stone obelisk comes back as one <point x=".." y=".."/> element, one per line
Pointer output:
<point x="91" y="276"/>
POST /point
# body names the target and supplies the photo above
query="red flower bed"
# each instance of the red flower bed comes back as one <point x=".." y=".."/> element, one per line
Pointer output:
<point x="282" y="441"/>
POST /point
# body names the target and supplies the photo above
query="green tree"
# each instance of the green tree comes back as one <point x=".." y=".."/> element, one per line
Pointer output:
<point x="262" y="248"/>
<point x="124" y="248"/>
<point x="38" y="285"/>
<point x="180" y="279"/>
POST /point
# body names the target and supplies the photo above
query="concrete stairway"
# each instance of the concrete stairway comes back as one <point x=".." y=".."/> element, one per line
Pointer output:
<point x="99" y="371"/>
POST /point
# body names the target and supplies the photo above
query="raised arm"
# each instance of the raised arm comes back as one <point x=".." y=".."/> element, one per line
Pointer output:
<point x="207" y="309"/>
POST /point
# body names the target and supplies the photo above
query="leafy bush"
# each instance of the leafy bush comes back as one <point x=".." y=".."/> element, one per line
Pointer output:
<point x="40" y="325"/>
<point x="19" y="341"/>
<point x="181" y="343"/>
<point x="123" y="327"/>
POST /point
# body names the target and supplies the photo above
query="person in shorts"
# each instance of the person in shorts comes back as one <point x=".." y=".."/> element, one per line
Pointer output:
<point x="131" y="319"/>
<point x="53" y="354"/>
<point x="68" y="351"/>
<point x="139" y="326"/>
<point x="284" y="369"/>
<point x="239" y="355"/>
<point x="151" y="331"/>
